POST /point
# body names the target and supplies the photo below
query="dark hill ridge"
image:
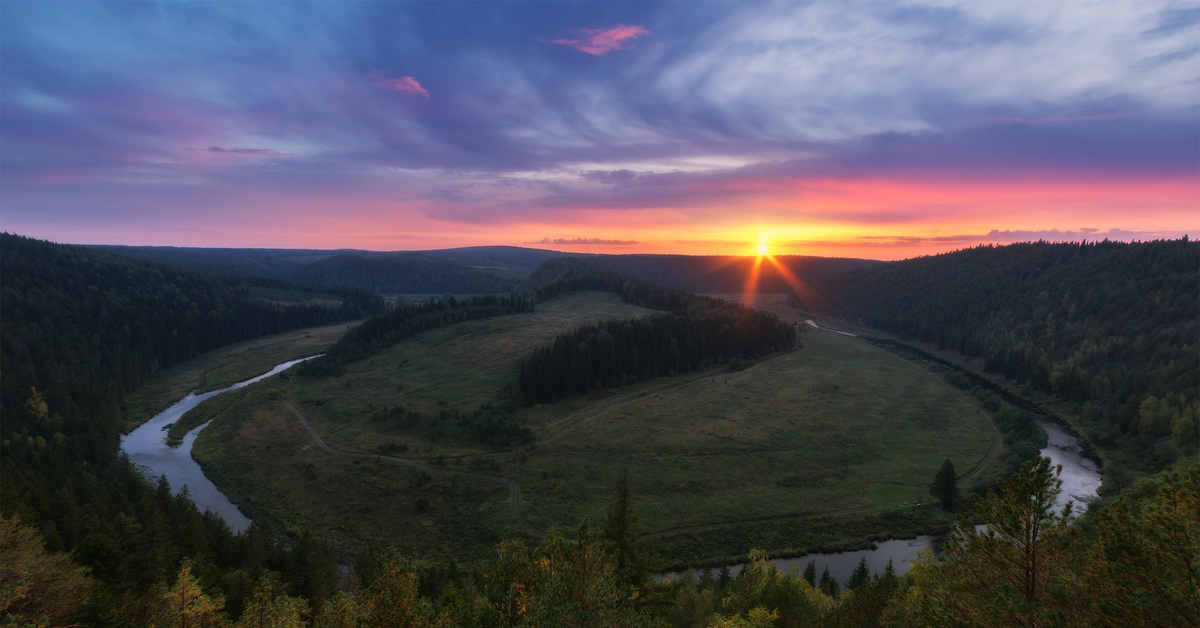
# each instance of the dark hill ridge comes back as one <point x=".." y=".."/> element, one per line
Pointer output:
<point x="471" y="270"/>
<point x="485" y="269"/>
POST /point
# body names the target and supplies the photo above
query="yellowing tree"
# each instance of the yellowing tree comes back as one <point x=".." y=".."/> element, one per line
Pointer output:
<point x="185" y="605"/>
<point x="36" y="586"/>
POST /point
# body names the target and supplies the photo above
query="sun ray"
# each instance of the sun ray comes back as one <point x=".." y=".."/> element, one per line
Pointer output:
<point x="799" y="287"/>
<point x="751" y="288"/>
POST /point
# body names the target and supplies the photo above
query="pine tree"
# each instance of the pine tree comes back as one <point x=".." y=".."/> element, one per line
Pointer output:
<point x="622" y="530"/>
<point x="861" y="575"/>
<point x="810" y="572"/>
<point x="828" y="584"/>
<point x="945" y="487"/>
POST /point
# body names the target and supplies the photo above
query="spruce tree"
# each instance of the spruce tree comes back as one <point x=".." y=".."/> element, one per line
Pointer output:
<point x="945" y="487"/>
<point x="810" y="572"/>
<point x="622" y="530"/>
<point x="860" y="576"/>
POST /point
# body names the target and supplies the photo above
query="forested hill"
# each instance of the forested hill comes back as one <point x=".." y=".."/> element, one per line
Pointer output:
<point x="472" y="270"/>
<point x="1112" y="326"/>
<point x="81" y="328"/>
<point x="709" y="274"/>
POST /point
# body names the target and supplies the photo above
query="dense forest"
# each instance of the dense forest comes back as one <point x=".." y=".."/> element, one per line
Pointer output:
<point x="1111" y="327"/>
<point x="81" y="329"/>
<point x="474" y="270"/>
<point x="384" y="273"/>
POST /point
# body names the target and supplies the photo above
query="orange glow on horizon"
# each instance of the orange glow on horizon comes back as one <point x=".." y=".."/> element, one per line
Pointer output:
<point x="881" y="218"/>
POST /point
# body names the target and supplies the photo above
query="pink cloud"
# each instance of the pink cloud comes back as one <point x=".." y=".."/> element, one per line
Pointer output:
<point x="404" y="84"/>
<point x="600" y="41"/>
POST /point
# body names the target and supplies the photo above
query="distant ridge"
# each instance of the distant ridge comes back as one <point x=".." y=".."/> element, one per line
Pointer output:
<point x="486" y="269"/>
<point x="470" y="270"/>
<point x="709" y="274"/>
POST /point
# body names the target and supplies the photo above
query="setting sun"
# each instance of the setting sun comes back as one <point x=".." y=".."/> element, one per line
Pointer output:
<point x="763" y="248"/>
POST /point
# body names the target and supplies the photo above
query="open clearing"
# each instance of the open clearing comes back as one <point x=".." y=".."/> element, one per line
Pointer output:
<point x="838" y="425"/>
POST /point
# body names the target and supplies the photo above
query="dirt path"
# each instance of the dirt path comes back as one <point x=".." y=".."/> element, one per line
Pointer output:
<point x="514" y="488"/>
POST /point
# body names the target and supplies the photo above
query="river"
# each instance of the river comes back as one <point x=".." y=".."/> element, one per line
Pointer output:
<point x="1080" y="482"/>
<point x="147" y="448"/>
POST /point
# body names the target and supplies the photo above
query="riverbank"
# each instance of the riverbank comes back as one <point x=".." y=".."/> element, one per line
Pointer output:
<point x="147" y="448"/>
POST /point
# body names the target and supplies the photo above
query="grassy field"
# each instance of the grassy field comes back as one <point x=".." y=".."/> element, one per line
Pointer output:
<point x="836" y="428"/>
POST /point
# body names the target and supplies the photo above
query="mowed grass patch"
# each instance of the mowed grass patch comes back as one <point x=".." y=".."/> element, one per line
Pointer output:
<point x="832" y="427"/>
<point x="264" y="459"/>
<point x="446" y="370"/>
<point x="226" y="366"/>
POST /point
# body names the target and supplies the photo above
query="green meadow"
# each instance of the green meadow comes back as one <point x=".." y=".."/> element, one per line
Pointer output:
<point x="835" y="431"/>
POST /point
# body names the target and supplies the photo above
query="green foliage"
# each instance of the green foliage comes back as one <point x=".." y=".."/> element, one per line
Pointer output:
<point x="1143" y="568"/>
<point x="622" y="530"/>
<point x="1017" y="571"/>
<point x="788" y="596"/>
<point x="945" y="485"/>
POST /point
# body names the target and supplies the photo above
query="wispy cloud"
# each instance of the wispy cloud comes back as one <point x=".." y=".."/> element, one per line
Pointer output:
<point x="584" y="241"/>
<point x="255" y="152"/>
<point x="601" y="41"/>
<point x="404" y="84"/>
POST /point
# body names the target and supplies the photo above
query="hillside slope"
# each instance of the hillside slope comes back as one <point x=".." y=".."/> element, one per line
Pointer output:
<point x="1109" y="326"/>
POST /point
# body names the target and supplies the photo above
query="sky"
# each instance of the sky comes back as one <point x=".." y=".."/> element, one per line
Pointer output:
<point x="883" y="130"/>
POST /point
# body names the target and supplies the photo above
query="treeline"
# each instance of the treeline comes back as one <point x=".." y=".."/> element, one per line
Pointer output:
<point x="1113" y="327"/>
<point x="380" y="332"/>
<point x="1133" y="565"/>
<point x="694" y="334"/>
<point x="616" y="352"/>
<point x="81" y="329"/>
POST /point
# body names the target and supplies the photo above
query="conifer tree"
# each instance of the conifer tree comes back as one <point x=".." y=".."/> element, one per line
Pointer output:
<point x="622" y="530"/>
<point x="945" y="487"/>
<point x="860" y="576"/>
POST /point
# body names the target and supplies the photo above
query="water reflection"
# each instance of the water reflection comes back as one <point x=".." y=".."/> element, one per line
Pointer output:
<point x="147" y="448"/>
